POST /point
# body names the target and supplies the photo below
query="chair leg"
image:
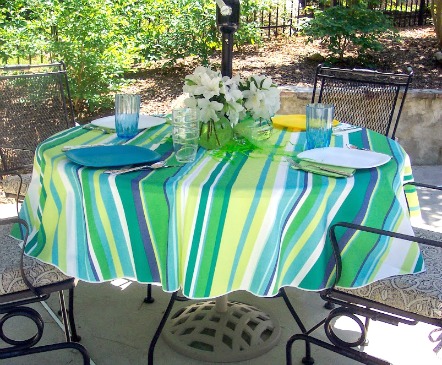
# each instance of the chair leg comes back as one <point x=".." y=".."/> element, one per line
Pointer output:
<point x="74" y="336"/>
<point x="160" y="328"/>
<point x="17" y="208"/>
<point x="71" y="318"/>
<point x="367" y="323"/>
<point x="329" y="305"/>
<point x="17" y="198"/>
<point x="356" y="355"/>
<point x="337" y="345"/>
<point x="64" y="316"/>
<point x="149" y="298"/>
<point x="307" y="360"/>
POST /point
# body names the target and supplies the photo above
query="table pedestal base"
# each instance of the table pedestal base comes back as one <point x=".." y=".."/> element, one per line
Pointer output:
<point x="202" y="332"/>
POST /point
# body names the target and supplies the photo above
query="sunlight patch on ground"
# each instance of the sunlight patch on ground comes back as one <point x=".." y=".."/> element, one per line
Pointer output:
<point x="121" y="283"/>
<point x="7" y="210"/>
<point x="408" y="345"/>
<point x="431" y="209"/>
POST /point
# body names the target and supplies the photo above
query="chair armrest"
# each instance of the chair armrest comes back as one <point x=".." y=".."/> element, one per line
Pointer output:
<point x="12" y="220"/>
<point x="412" y="196"/>
<point x="24" y="228"/>
<point x="376" y="231"/>
<point x="423" y="185"/>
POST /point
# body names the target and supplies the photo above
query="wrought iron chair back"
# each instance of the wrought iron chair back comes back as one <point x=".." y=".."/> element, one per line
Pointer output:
<point x="406" y="299"/>
<point x="25" y="280"/>
<point x="365" y="98"/>
<point x="35" y="104"/>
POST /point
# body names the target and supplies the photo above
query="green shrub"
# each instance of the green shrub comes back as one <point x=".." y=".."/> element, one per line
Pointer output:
<point x="95" y="50"/>
<point x="341" y="28"/>
<point x="177" y="29"/>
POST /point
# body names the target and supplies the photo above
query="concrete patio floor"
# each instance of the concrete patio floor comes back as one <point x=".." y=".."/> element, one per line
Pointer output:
<point x="117" y="327"/>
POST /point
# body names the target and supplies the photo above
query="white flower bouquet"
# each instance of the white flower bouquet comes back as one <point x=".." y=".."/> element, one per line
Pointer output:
<point x="224" y="100"/>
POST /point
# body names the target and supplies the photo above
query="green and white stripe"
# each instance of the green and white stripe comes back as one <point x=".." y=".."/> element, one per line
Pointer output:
<point x="243" y="222"/>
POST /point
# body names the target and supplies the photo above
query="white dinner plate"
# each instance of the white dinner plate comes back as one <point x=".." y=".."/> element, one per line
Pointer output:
<point x="145" y="121"/>
<point x="345" y="157"/>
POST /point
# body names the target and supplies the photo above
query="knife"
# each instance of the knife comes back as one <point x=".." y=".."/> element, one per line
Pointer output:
<point x="98" y="128"/>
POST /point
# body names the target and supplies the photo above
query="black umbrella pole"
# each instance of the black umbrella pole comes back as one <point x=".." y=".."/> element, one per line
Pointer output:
<point x="228" y="23"/>
<point x="227" y="54"/>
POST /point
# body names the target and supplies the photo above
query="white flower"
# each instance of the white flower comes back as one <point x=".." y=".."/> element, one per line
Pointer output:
<point x="261" y="96"/>
<point x="209" y="87"/>
<point x="208" y="109"/>
<point x="190" y="103"/>
<point x="215" y="96"/>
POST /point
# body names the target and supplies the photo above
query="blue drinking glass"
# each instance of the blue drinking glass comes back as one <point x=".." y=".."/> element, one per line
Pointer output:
<point x="127" y="114"/>
<point x="319" y="118"/>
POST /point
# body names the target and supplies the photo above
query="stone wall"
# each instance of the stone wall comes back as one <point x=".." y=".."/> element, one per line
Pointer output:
<point x="420" y="127"/>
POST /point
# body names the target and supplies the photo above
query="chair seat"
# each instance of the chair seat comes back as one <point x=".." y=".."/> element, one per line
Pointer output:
<point x="39" y="274"/>
<point x="10" y="184"/>
<point x="417" y="293"/>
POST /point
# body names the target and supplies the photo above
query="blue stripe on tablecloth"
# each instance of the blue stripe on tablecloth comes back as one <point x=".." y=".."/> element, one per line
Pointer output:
<point x="172" y="256"/>
<point x="142" y="224"/>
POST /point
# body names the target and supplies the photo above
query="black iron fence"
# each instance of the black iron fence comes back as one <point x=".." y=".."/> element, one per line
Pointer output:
<point x="286" y="16"/>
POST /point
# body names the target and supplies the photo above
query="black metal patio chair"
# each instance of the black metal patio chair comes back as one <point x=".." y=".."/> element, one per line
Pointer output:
<point x="364" y="98"/>
<point x="406" y="299"/>
<point x="25" y="280"/>
<point x="35" y="104"/>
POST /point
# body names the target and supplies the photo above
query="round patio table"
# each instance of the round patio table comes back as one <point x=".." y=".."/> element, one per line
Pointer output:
<point x="238" y="219"/>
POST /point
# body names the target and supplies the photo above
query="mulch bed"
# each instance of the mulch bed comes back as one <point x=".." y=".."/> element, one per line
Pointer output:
<point x="288" y="62"/>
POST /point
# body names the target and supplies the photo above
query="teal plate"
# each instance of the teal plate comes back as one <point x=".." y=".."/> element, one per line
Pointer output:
<point x="108" y="156"/>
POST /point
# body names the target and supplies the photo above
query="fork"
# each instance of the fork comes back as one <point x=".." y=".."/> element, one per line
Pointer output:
<point x="68" y="148"/>
<point x="154" y="166"/>
<point x="328" y="169"/>
<point x="353" y="147"/>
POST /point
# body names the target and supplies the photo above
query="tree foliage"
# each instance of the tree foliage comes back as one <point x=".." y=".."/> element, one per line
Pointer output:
<point x="100" y="40"/>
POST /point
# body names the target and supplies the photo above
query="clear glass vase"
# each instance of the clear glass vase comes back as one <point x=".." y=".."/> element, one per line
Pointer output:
<point x="261" y="129"/>
<point x="215" y="135"/>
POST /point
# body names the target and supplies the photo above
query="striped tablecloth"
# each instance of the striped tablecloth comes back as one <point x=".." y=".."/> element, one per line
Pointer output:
<point x="245" y="221"/>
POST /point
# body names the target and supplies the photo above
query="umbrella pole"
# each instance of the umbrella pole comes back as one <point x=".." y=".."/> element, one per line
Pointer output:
<point x="227" y="18"/>
<point x="227" y="54"/>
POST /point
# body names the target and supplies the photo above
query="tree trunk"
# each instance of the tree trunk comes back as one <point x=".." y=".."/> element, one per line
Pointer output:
<point x="436" y="13"/>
